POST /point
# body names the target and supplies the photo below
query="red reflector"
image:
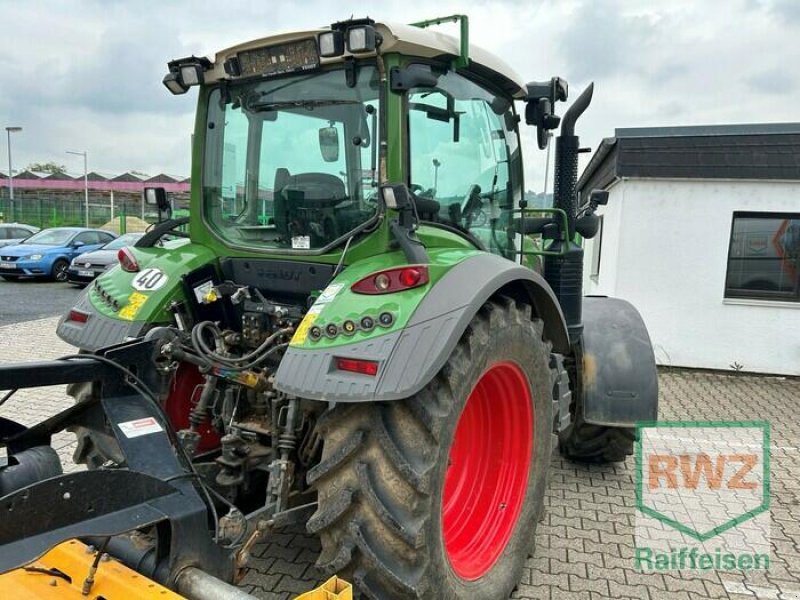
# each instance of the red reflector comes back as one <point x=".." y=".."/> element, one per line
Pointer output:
<point x="127" y="260"/>
<point x="364" y="367"/>
<point x="392" y="280"/>
<point x="77" y="316"/>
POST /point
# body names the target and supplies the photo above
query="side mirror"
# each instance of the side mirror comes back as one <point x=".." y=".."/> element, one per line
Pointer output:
<point x="157" y="196"/>
<point x="77" y="245"/>
<point x="598" y="198"/>
<point x="541" y="97"/>
<point x="588" y="226"/>
<point x="329" y="143"/>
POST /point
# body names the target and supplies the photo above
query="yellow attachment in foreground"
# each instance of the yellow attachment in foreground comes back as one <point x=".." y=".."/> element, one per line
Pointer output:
<point x="113" y="580"/>
<point x="333" y="589"/>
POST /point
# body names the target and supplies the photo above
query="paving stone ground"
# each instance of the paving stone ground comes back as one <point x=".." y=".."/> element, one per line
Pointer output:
<point x="585" y="544"/>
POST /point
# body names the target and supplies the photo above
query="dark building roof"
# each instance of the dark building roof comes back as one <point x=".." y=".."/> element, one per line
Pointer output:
<point x="161" y="178"/>
<point x="95" y="176"/>
<point x="26" y="175"/>
<point x="59" y="177"/>
<point x="758" y="151"/>
<point x="128" y="177"/>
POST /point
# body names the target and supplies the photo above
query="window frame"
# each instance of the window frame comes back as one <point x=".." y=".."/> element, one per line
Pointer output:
<point x="730" y="293"/>
<point x="597" y="252"/>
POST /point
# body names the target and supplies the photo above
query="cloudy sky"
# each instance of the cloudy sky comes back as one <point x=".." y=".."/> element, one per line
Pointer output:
<point x="86" y="75"/>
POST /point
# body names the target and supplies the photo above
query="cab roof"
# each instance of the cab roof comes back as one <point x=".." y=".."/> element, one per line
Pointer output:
<point x="404" y="39"/>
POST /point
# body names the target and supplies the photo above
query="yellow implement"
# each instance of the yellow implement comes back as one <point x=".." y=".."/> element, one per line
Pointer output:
<point x="61" y="573"/>
<point x="333" y="589"/>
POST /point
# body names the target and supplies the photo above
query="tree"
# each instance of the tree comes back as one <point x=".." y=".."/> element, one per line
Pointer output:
<point x="48" y="167"/>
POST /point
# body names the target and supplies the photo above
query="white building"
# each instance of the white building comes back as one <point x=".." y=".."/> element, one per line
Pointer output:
<point x="702" y="234"/>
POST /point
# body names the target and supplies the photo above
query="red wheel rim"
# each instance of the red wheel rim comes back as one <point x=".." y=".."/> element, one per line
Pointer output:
<point x="487" y="473"/>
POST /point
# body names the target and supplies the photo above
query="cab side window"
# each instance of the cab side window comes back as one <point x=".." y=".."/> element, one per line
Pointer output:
<point x="464" y="156"/>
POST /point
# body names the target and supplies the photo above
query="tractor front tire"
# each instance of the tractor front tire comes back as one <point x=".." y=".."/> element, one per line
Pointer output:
<point x="438" y="496"/>
<point x="583" y="442"/>
<point x="96" y="445"/>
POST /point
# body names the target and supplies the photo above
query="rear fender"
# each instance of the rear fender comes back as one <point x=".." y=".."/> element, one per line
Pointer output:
<point x="620" y="382"/>
<point x="409" y="358"/>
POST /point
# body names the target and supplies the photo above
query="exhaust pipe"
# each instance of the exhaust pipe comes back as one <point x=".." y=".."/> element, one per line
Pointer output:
<point x="566" y="168"/>
<point x="564" y="272"/>
<point x="199" y="585"/>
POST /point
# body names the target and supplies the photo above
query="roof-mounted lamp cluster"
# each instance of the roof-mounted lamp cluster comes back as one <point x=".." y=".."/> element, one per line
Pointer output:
<point x="186" y="72"/>
<point x="357" y="36"/>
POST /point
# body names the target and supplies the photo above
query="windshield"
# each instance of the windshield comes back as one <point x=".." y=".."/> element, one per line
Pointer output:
<point x="124" y="240"/>
<point x="291" y="163"/>
<point x="50" y="237"/>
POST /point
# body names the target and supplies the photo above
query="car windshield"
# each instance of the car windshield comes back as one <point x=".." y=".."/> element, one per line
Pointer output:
<point x="50" y="237"/>
<point x="129" y="239"/>
<point x="291" y="163"/>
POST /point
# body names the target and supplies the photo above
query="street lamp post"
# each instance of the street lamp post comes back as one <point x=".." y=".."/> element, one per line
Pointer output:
<point x="9" y="131"/>
<point x="85" y="155"/>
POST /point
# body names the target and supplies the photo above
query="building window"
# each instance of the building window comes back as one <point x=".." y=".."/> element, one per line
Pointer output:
<point x="597" y="247"/>
<point x="764" y="256"/>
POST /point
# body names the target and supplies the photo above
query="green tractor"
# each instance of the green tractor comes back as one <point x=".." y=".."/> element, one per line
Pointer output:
<point x="368" y="331"/>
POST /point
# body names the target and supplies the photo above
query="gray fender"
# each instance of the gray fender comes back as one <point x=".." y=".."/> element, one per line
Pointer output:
<point x="620" y="382"/>
<point x="411" y="357"/>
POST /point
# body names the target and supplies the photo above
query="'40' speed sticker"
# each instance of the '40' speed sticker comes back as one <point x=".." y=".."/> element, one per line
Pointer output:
<point x="149" y="280"/>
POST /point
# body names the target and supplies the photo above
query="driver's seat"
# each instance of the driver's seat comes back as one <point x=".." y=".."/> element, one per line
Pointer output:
<point x="304" y="192"/>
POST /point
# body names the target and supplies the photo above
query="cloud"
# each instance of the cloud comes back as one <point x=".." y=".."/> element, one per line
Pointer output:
<point x="87" y="74"/>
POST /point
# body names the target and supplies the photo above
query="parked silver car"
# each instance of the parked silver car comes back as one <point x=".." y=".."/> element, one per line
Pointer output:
<point x="14" y="233"/>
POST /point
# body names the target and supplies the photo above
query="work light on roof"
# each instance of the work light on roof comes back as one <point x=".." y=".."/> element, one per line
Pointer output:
<point x="173" y="83"/>
<point x="331" y="43"/>
<point x="361" y="38"/>
<point x="186" y="72"/>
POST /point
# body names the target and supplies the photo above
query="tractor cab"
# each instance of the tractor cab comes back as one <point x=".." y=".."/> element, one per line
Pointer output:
<point x="296" y="134"/>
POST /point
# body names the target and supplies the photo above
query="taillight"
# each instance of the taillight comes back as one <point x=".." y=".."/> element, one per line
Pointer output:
<point x="77" y="316"/>
<point x="127" y="260"/>
<point x="354" y="365"/>
<point x="392" y="280"/>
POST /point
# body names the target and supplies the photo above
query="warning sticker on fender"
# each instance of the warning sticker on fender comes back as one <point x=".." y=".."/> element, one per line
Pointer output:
<point x="299" y="337"/>
<point x="135" y="303"/>
<point x="139" y="427"/>
<point x="329" y="293"/>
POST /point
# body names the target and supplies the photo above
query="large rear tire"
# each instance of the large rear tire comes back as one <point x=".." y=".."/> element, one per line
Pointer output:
<point x="437" y="496"/>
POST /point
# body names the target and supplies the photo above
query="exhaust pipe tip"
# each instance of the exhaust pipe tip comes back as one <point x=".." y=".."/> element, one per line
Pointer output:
<point x="576" y="110"/>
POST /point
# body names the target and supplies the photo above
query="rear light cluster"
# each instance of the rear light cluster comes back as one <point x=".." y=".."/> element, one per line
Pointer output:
<point x="351" y="326"/>
<point x="127" y="260"/>
<point x="355" y="365"/>
<point x="392" y="280"/>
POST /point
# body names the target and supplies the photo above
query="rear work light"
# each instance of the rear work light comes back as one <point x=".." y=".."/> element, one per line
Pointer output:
<point x="77" y="316"/>
<point x="392" y="280"/>
<point x="354" y="365"/>
<point x="127" y="260"/>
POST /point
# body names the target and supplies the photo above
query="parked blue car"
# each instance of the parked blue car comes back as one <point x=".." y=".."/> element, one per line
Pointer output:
<point x="49" y="252"/>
